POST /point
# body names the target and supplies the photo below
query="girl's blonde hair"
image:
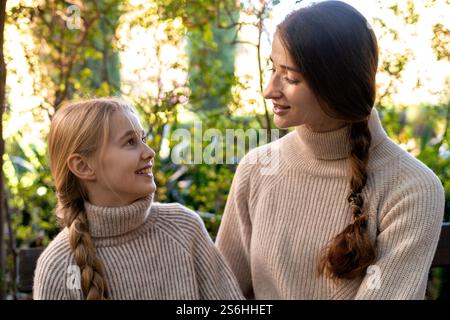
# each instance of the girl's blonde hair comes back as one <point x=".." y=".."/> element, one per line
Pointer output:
<point x="80" y="127"/>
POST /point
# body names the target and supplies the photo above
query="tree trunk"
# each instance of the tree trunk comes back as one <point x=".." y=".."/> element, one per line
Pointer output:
<point x="2" y="148"/>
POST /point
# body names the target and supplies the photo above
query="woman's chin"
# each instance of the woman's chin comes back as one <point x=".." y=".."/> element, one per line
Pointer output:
<point x="281" y="122"/>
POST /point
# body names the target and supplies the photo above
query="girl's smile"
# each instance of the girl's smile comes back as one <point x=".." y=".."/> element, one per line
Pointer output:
<point x="145" y="171"/>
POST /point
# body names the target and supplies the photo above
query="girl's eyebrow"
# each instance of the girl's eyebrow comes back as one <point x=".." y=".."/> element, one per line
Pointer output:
<point x="287" y="67"/>
<point x="131" y="132"/>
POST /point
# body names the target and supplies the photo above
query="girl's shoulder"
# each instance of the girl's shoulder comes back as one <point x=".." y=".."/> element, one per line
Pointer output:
<point x="56" y="251"/>
<point x="52" y="269"/>
<point x="179" y="222"/>
<point x="177" y="214"/>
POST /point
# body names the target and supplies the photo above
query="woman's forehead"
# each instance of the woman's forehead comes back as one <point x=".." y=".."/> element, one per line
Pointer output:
<point x="280" y="55"/>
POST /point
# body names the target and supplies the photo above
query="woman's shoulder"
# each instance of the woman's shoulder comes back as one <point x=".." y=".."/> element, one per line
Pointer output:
<point x="263" y="161"/>
<point x="262" y="154"/>
<point x="406" y="169"/>
<point x="410" y="183"/>
<point x="415" y="175"/>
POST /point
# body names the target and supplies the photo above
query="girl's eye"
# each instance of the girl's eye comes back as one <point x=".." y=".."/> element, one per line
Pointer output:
<point x="145" y="137"/>
<point x="132" y="141"/>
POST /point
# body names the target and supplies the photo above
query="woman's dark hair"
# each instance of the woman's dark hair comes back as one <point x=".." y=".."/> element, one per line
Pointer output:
<point x="336" y="51"/>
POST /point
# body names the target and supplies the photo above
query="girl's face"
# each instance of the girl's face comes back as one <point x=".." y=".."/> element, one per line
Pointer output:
<point x="294" y="102"/>
<point x="124" y="172"/>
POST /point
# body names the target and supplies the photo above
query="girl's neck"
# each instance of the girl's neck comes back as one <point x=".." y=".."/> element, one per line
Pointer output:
<point x="107" y="221"/>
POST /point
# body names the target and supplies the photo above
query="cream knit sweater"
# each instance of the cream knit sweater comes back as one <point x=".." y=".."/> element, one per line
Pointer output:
<point x="149" y="250"/>
<point x="288" y="199"/>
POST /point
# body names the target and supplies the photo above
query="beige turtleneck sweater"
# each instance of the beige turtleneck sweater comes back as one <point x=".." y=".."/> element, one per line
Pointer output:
<point x="149" y="250"/>
<point x="288" y="199"/>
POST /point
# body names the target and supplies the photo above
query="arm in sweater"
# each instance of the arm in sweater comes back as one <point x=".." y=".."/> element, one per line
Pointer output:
<point x="214" y="277"/>
<point x="52" y="277"/>
<point x="409" y="230"/>
<point x="233" y="239"/>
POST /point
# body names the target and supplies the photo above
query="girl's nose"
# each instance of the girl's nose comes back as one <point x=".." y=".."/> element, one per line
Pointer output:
<point x="148" y="152"/>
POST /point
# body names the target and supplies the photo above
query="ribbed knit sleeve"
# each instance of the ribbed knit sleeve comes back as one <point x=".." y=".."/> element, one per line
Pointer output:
<point x="216" y="280"/>
<point x="409" y="229"/>
<point x="213" y="277"/>
<point x="50" y="274"/>
<point x="233" y="239"/>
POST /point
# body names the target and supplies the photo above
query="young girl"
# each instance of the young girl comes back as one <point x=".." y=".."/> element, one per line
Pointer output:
<point x="117" y="243"/>
<point x="346" y="213"/>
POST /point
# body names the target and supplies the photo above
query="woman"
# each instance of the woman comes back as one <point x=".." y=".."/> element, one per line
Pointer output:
<point x="346" y="213"/>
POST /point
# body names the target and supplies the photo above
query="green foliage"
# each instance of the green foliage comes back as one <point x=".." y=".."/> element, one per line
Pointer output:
<point x="435" y="149"/>
<point x="211" y="67"/>
<point x="31" y="192"/>
<point x="205" y="186"/>
<point x="69" y="42"/>
<point x="68" y="63"/>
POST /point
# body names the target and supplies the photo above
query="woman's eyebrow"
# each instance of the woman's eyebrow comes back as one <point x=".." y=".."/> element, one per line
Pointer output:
<point x="287" y="67"/>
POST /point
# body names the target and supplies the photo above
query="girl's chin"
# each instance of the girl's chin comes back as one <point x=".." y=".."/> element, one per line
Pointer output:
<point x="146" y="193"/>
<point x="150" y="189"/>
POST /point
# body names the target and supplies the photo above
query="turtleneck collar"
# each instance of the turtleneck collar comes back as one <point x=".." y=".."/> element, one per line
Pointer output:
<point x="333" y="145"/>
<point x="115" y="221"/>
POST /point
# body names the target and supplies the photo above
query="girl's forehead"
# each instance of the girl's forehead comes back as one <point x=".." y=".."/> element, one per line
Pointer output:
<point x="122" y="121"/>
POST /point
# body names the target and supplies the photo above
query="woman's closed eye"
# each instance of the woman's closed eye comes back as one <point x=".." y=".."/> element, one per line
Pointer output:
<point x="291" y="81"/>
<point x="285" y="77"/>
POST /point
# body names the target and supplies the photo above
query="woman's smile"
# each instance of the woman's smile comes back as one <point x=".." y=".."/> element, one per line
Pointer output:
<point x="280" y="110"/>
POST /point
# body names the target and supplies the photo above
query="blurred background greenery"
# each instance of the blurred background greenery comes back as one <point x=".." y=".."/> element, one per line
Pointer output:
<point x="183" y="61"/>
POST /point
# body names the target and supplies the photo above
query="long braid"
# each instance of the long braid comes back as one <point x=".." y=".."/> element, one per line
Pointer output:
<point x="351" y="252"/>
<point x="93" y="283"/>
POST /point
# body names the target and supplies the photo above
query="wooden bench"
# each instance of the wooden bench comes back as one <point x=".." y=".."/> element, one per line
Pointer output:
<point x="442" y="256"/>
<point x="28" y="259"/>
<point x="26" y="265"/>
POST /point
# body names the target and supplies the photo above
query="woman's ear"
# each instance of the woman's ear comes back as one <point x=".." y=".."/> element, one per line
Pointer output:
<point x="80" y="167"/>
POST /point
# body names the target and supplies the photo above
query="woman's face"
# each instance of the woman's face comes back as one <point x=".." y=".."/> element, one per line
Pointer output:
<point x="294" y="103"/>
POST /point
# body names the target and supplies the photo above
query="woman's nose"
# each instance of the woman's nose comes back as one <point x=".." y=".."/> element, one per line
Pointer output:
<point x="273" y="88"/>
